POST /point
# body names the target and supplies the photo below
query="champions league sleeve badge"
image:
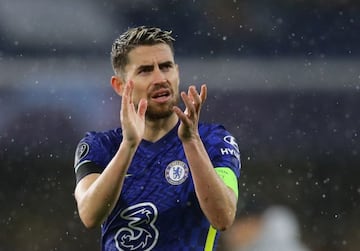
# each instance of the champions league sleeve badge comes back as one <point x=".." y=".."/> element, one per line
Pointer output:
<point x="176" y="172"/>
<point x="81" y="151"/>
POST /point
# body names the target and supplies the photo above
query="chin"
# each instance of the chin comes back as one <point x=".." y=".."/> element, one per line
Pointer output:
<point x="154" y="114"/>
<point x="163" y="111"/>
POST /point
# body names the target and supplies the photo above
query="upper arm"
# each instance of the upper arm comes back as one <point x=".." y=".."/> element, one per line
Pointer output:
<point x="83" y="185"/>
<point x="228" y="176"/>
<point x="92" y="154"/>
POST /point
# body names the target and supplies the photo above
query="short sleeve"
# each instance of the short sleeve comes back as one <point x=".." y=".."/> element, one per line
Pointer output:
<point x="222" y="148"/>
<point x="92" y="155"/>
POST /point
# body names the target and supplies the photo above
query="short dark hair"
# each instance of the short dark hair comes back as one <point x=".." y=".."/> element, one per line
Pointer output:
<point x="134" y="37"/>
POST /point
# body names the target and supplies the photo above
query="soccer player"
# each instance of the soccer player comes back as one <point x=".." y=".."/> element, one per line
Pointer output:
<point x="162" y="181"/>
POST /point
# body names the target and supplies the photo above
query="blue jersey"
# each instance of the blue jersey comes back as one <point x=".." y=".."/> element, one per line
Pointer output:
<point x="157" y="208"/>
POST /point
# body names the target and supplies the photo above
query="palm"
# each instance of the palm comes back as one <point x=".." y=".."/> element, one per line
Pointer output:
<point x="132" y="120"/>
<point x="190" y="117"/>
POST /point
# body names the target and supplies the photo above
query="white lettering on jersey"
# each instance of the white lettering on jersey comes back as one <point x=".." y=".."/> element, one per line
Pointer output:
<point x="140" y="232"/>
<point x="230" y="151"/>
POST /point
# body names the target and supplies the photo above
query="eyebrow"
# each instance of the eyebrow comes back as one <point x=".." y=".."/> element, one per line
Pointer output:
<point x="151" y="66"/>
<point x="166" y="63"/>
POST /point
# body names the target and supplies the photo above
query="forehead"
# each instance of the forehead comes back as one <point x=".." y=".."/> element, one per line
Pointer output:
<point x="150" y="54"/>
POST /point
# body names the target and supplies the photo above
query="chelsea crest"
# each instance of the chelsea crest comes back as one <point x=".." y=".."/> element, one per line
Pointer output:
<point x="176" y="172"/>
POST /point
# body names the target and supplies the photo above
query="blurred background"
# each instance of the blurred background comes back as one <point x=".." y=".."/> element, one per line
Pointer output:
<point x="283" y="77"/>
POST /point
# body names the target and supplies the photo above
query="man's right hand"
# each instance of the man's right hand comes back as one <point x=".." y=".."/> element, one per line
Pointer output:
<point x="132" y="120"/>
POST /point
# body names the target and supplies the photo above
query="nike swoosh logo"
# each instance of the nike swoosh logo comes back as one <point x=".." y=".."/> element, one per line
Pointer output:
<point x="128" y="175"/>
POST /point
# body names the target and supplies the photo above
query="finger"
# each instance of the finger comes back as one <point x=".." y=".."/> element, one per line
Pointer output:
<point x="129" y="90"/>
<point x="190" y="108"/>
<point x="198" y="98"/>
<point x="142" y="107"/>
<point x="195" y="96"/>
<point x="189" y="94"/>
<point x="203" y="93"/>
<point x="125" y="95"/>
<point x="181" y="115"/>
<point x="127" y="98"/>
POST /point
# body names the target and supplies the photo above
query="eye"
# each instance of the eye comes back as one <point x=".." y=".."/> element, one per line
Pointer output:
<point x="165" y="67"/>
<point x="145" y="69"/>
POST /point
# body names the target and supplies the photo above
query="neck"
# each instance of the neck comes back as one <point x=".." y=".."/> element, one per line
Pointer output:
<point x="156" y="129"/>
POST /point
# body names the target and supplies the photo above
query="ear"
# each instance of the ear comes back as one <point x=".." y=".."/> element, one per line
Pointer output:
<point x="117" y="84"/>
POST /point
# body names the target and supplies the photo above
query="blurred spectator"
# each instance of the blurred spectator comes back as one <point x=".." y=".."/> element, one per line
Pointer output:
<point x="274" y="229"/>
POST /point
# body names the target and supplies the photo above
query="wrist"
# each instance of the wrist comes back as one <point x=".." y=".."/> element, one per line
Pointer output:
<point x="129" y="144"/>
<point x="193" y="140"/>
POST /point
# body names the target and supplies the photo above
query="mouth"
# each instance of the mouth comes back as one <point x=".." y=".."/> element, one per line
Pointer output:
<point x="161" y="96"/>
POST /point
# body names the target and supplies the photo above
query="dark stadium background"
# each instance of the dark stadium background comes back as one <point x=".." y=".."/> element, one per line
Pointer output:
<point x="283" y="77"/>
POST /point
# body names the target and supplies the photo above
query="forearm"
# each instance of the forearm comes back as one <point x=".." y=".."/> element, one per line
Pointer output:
<point x="97" y="198"/>
<point x="217" y="201"/>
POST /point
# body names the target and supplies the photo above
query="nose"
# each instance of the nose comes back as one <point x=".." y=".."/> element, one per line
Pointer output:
<point x="158" y="76"/>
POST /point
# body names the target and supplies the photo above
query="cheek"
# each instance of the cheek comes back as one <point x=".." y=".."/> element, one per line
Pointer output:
<point x="175" y="83"/>
<point x="138" y="93"/>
